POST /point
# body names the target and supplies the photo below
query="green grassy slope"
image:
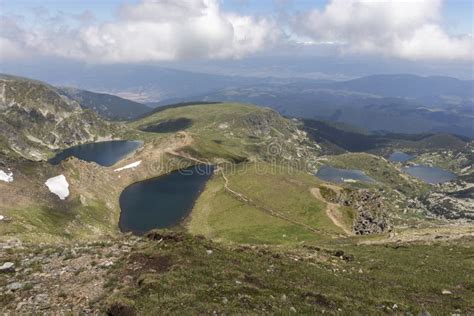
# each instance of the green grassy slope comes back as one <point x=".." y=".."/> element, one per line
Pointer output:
<point x="298" y="215"/>
<point x="192" y="275"/>
<point x="237" y="131"/>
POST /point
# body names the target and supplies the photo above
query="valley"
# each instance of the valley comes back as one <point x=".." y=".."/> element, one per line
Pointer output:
<point x="262" y="234"/>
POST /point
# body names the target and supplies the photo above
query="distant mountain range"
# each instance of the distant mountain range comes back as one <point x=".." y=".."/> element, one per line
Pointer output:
<point x="408" y="86"/>
<point x="138" y="83"/>
<point x="392" y="103"/>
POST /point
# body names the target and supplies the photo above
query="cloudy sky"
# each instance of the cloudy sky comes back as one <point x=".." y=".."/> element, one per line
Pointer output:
<point x="151" y="31"/>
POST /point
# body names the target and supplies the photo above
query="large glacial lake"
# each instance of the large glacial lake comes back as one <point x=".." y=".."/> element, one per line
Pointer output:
<point x="432" y="175"/>
<point x="163" y="201"/>
<point x="103" y="153"/>
<point x="336" y="175"/>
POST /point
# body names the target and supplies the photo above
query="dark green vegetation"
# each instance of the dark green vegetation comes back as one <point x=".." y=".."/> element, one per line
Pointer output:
<point x="107" y="106"/>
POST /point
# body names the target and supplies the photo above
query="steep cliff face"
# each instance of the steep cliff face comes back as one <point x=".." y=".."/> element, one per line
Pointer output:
<point x="35" y="119"/>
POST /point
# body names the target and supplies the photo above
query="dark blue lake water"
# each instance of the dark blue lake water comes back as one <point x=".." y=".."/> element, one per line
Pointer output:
<point x="336" y="175"/>
<point x="102" y="153"/>
<point x="399" y="156"/>
<point x="431" y="175"/>
<point x="162" y="202"/>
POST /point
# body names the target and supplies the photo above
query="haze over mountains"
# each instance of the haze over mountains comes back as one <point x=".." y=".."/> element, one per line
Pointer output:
<point x="109" y="106"/>
<point x="393" y="103"/>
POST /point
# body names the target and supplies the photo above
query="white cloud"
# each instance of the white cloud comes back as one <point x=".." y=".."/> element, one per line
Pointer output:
<point x="164" y="30"/>
<point x="10" y="49"/>
<point x="405" y="29"/>
<point x="156" y="30"/>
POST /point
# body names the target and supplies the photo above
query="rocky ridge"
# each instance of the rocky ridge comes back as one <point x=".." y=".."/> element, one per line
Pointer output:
<point x="35" y="118"/>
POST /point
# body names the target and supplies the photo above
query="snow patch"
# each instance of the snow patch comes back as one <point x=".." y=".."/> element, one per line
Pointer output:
<point x="7" y="177"/>
<point x="132" y="165"/>
<point x="59" y="186"/>
<point x="349" y="180"/>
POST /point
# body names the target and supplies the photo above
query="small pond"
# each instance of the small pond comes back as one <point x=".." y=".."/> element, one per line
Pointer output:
<point x="103" y="153"/>
<point x="169" y="126"/>
<point x="399" y="156"/>
<point x="162" y="202"/>
<point x="336" y="175"/>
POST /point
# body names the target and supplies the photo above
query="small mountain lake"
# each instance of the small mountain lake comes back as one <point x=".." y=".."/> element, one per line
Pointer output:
<point x="432" y="175"/>
<point x="169" y="126"/>
<point x="103" y="153"/>
<point x="336" y="175"/>
<point x="163" y="201"/>
<point x="398" y="156"/>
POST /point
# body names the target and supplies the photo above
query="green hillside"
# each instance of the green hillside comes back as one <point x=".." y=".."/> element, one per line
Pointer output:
<point x="265" y="235"/>
<point x="262" y="213"/>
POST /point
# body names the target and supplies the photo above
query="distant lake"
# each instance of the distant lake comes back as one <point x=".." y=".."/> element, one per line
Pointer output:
<point x="162" y="202"/>
<point x="103" y="153"/>
<point x="336" y="175"/>
<point x="399" y="156"/>
<point x="430" y="175"/>
<point x="169" y="126"/>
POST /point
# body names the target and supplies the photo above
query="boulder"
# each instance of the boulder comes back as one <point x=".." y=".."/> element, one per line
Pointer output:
<point x="7" y="267"/>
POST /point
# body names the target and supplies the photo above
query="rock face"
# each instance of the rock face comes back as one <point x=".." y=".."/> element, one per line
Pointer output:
<point x="371" y="216"/>
<point x="35" y="118"/>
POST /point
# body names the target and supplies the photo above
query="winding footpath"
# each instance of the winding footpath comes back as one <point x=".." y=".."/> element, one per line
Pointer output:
<point x="332" y="211"/>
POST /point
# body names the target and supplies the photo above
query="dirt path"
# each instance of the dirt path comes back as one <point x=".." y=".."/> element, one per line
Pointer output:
<point x="332" y="211"/>
<point x="186" y="140"/>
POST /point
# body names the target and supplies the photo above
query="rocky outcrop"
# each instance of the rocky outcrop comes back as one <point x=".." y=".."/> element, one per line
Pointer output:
<point x="371" y="216"/>
<point x="35" y="119"/>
